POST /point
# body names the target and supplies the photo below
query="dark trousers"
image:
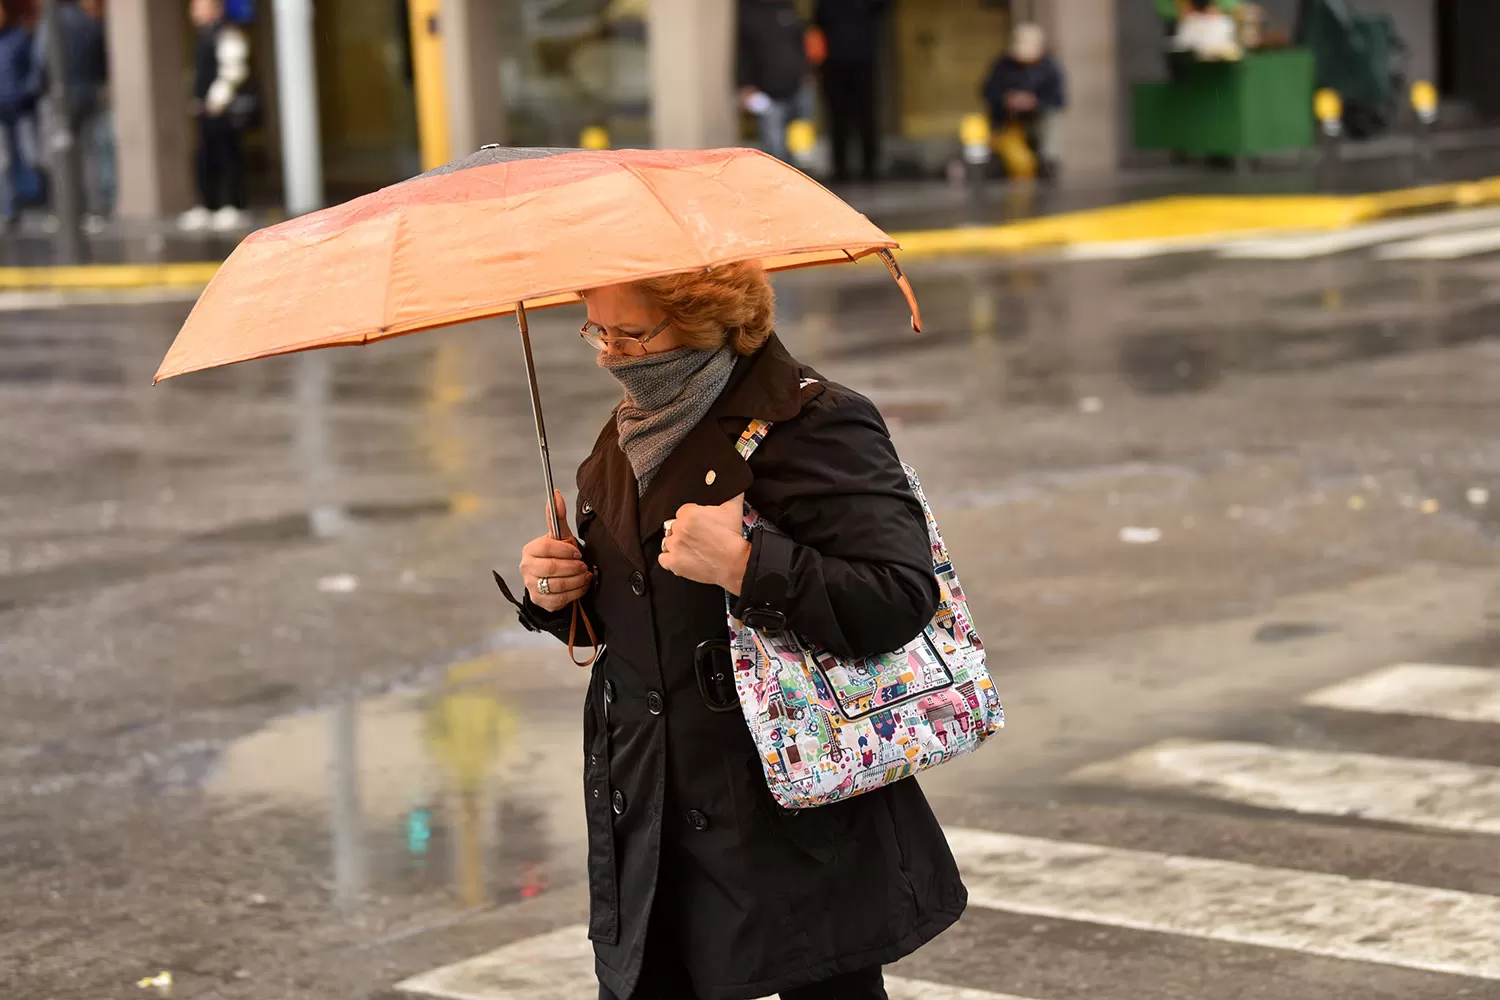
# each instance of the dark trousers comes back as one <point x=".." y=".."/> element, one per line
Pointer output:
<point x="22" y="184"/>
<point x="664" y="978"/>
<point x="221" y="163"/>
<point x="867" y="985"/>
<point x="849" y="89"/>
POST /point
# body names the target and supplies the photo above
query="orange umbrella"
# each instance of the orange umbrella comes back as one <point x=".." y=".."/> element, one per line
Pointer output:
<point x="507" y="230"/>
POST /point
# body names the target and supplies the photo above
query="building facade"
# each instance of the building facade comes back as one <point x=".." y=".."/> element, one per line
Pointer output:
<point x="405" y="83"/>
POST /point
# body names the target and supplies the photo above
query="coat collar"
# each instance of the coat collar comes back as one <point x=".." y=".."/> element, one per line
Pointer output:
<point x="704" y="468"/>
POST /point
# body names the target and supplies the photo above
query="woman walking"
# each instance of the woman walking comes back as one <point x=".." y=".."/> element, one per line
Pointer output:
<point x="700" y="885"/>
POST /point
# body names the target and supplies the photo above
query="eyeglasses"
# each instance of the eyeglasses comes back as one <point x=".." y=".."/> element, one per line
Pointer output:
<point x="599" y="339"/>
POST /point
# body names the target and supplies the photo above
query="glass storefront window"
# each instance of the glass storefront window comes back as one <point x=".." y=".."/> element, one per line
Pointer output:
<point x="566" y="65"/>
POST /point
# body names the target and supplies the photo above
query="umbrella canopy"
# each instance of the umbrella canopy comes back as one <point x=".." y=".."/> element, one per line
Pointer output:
<point x="506" y="228"/>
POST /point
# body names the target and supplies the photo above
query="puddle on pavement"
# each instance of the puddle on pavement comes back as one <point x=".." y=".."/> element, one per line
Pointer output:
<point x="219" y="545"/>
<point x="467" y="788"/>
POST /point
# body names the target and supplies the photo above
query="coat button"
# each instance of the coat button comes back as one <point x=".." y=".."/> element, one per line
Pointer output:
<point x="697" y="820"/>
<point x="596" y="791"/>
<point x="619" y="802"/>
<point x="638" y="584"/>
<point x="609" y="690"/>
<point x="654" y="704"/>
<point x="593" y="759"/>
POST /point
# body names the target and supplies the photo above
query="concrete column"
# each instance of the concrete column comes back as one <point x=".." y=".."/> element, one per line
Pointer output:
<point x="146" y="76"/>
<point x="471" y="50"/>
<point x="1084" y="39"/>
<point x="692" y="73"/>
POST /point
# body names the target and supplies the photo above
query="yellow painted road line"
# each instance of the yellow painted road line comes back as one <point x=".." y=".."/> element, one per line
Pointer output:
<point x="1179" y="219"/>
<point x="109" y="275"/>
<point x="1190" y="217"/>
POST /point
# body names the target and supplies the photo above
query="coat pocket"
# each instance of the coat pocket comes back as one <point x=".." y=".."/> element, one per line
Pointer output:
<point x="814" y="832"/>
<point x="604" y="888"/>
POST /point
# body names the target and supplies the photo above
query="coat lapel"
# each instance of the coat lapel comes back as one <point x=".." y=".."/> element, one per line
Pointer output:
<point x="704" y="468"/>
<point x="607" y="484"/>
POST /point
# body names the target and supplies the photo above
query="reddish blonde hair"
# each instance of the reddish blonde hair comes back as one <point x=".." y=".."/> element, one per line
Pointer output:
<point x="733" y="303"/>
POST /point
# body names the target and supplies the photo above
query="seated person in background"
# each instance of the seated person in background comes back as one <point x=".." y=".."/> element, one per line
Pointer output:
<point x="1207" y="32"/>
<point x="1025" y="87"/>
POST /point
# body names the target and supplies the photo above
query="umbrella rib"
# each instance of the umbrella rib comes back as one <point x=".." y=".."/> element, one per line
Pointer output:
<point x="631" y="169"/>
<point x="390" y="272"/>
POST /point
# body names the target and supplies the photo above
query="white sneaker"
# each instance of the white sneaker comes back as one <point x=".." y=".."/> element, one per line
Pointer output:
<point x="228" y="219"/>
<point x="195" y="219"/>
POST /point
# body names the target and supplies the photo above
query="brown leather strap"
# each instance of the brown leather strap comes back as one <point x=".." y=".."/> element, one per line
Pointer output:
<point x="588" y="626"/>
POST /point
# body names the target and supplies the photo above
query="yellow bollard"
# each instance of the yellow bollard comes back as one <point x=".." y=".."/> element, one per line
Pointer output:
<point x="801" y="137"/>
<point x="1424" y="100"/>
<point x="1328" y="108"/>
<point x="594" y="137"/>
<point x="974" y="134"/>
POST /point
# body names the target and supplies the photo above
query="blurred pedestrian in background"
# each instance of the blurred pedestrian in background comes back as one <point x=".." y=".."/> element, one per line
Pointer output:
<point x="83" y="95"/>
<point x="1207" y="31"/>
<point x="772" y="68"/>
<point x="1026" y="87"/>
<point x="21" y="184"/>
<point x="852" y="29"/>
<point x="221" y="70"/>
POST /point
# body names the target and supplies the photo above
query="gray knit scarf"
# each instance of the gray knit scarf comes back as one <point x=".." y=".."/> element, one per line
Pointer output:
<point x="666" y="395"/>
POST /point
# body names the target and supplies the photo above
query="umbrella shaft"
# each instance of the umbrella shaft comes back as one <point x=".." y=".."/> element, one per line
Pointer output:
<point x="541" y="424"/>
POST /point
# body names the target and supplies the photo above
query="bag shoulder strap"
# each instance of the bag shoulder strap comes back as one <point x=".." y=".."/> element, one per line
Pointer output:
<point x="757" y="430"/>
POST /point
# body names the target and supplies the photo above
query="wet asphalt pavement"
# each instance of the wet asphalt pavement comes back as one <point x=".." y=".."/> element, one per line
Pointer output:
<point x="265" y="723"/>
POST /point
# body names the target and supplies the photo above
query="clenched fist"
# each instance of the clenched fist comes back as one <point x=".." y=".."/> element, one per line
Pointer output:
<point x="559" y="562"/>
<point x="707" y="545"/>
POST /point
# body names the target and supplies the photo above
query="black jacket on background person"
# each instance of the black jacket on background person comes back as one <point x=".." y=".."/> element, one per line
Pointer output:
<point x="683" y="833"/>
<point x="771" y="51"/>
<point x="853" y="28"/>
<point x="1044" y="78"/>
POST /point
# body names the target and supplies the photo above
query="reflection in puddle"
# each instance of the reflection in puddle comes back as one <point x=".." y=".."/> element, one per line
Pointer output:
<point x="457" y="789"/>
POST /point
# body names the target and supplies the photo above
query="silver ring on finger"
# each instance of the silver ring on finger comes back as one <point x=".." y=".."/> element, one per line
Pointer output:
<point x="544" y="585"/>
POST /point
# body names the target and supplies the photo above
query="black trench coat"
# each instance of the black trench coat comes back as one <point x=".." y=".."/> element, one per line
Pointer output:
<point x="683" y="833"/>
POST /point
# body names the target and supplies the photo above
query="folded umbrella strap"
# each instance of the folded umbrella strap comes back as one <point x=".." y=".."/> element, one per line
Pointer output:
<point x="588" y="626"/>
<point x="531" y="623"/>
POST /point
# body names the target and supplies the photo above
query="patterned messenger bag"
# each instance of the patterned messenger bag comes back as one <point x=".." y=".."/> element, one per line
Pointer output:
<point x="827" y="728"/>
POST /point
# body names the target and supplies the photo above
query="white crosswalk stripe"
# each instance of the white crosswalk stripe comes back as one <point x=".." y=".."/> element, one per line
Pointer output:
<point x="1429" y="793"/>
<point x="1447" y="247"/>
<point x="1466" y="694"/>
<point x="1439" y="930"/>
<point x="1387" y="923"/>
<point x="1312" y="245"/>
<point x="560" y="966"/>
<point x="1139" y="249"/>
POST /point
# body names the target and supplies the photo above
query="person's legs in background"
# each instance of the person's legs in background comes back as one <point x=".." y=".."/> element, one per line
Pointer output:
<point x="201" y="214"/>
<point x="234" y="167"/>
<point x="10" y="185"/>
<point x="1041" y="136"/>
<point x="96" y="137"/>
<point x="773" y="122"/>
<point x="862" y="96"/>
<point x="840" y="117"/>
